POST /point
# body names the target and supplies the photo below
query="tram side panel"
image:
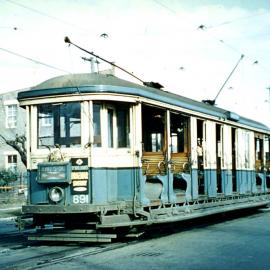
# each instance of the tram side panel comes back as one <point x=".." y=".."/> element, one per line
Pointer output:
<point x="226" y="170"/>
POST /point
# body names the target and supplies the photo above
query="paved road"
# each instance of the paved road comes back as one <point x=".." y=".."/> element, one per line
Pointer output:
<point x="242" y="243"/>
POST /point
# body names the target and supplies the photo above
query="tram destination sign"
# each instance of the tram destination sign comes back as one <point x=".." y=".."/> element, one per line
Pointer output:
<point x="54" y="172"/>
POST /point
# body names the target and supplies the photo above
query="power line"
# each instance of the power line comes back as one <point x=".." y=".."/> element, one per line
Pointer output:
<point x="33" y="60"/>
<point x="236" y="20"/>
<point x="45" y="15"/>
<point x="205" y="27"/>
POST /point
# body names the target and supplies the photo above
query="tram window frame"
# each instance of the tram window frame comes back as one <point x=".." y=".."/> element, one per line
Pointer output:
<point x="153" y="129"/>
<point x="267" y="148"/>
<point x="65" y="119"/>
<point x="259" y="149"/>
<point x="114" y="123"/>
<point x="97" y="107"/>
<point x="111" y="127"/>
<point x="179" y="133"/>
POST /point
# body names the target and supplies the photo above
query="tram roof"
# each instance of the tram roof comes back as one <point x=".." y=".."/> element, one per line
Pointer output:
<point x="105" y="83"/>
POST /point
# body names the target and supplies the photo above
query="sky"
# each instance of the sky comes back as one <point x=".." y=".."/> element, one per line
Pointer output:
<point x="188" y="46"/>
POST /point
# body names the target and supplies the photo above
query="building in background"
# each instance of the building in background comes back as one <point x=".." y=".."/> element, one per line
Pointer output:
<point x="12" y="123"/>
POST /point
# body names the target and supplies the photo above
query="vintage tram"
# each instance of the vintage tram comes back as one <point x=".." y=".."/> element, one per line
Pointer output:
<point x="105" y="155"/>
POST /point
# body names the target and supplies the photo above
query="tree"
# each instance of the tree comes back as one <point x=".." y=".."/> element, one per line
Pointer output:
<point x="19" y="144"/>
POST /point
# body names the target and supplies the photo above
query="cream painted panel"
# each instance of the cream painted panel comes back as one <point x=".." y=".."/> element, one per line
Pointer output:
<point x="240" y="149"/>
<point x="193" y="136"/>
<point x="112" y="159"/>
<point x="227" y="148"/>
<point x="28" y="136"/>
<point x="251" y="150"/>
<point x="85" y="122"/>
<point x="210" y="145"/>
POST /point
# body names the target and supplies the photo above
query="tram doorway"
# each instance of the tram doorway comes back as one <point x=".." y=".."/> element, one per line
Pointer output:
<point x="200" y="155"/>
<point x="153" y="140"/>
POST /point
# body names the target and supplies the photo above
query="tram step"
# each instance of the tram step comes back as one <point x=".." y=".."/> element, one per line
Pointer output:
<point x="76" y="236"/>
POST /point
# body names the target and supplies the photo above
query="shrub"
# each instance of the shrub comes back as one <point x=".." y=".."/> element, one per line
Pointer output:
<point x="6" y="177"/>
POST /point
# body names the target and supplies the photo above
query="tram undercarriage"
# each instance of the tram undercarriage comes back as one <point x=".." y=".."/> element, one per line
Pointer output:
<point x="105" y="223"/>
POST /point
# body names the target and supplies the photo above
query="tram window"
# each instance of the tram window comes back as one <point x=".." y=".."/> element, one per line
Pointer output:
<point x="59" y="124"/>
<point x="259" y="148"/>
<point x="179" y="133"/>
<point x="110" y="128"/>
<point x="118" y="126"/>
<point x="267" y="148"/>
<point x="153" y="129"/>
<point x="123" y="127"/>
<point x="97" y="126"/>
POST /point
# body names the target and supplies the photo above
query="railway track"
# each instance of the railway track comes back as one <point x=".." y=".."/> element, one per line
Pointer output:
<point x="35" y="258"/>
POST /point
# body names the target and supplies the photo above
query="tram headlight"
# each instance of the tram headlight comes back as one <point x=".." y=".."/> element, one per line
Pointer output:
<point x="56" y="194"/>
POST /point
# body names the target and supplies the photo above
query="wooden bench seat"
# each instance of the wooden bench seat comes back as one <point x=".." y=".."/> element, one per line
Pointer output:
<point x="180" y="163"/>
<point x="153" y="163"/>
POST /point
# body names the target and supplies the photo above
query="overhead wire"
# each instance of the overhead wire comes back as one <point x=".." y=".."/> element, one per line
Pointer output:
<point x="203" y="27"/>
<point x="33" y="60"/>
<point x="45" y="14"/>
<point x="236" y="20"/>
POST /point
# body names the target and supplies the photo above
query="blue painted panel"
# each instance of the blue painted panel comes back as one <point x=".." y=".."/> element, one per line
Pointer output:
<point x="253" y="182"/>
<point x="125" y="183"/>
<point x="249" y="181"/>
<point x="194" y="184"/>
<point x="239" y="185"/>
<point x="171" y="194"/>
<point x="210" y="180"/>
<point x="98" y="178"/>
<point x="113" y="184"/>
<point x="38" y="192"/>
<point x="226" y="176"/>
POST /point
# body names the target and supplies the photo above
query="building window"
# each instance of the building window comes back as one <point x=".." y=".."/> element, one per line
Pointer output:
<point x="11" y="116"/>
<point x="12" y="163"/>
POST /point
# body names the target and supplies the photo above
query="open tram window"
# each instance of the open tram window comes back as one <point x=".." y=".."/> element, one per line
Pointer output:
<point x="59" y="124"/>
<point x="153" y="127"/>
<point x="200" y="144"/>
<point x="259" y="153"/>
<point x="179" y="133"/>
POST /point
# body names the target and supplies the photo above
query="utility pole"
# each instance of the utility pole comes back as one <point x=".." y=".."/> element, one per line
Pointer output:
<point x="93" y="62"/>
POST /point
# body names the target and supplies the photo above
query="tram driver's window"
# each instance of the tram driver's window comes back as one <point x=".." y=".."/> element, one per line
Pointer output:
<point x="153" y="129"/>
<point x="59" y="124"/>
